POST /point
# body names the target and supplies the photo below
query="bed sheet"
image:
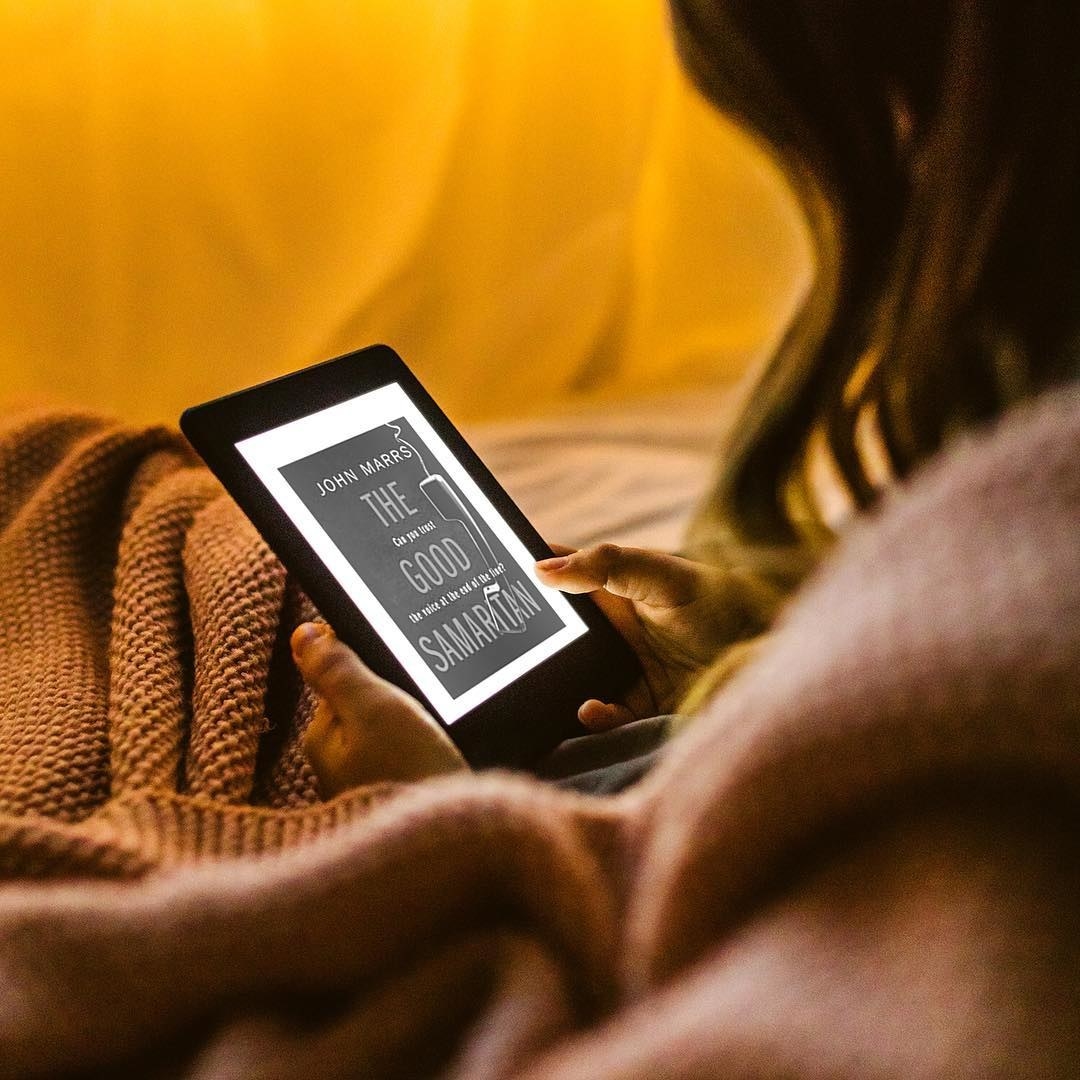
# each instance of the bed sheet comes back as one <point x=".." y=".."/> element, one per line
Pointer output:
<point x="631" y="473"/>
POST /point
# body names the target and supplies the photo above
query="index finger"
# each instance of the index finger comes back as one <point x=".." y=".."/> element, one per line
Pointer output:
<point x="643" y="577"/>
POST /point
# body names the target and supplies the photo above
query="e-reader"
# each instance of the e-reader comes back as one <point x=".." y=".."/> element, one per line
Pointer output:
<point x="413" y="552"/>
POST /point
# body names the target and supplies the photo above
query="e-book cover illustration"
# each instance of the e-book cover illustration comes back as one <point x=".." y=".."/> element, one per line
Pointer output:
<point x="426" y="553"/>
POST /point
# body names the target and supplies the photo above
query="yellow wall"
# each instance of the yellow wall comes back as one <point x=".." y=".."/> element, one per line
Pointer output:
<point x="524" y="197"/>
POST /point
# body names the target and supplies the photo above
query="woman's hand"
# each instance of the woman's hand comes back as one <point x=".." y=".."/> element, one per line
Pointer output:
<point x="365" y="730"/>
<point x="676" y="615"/>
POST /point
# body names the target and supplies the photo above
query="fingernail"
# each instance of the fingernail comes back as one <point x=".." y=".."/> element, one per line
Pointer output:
<point x="553" y="564"/>
<point x="305" y="634"/>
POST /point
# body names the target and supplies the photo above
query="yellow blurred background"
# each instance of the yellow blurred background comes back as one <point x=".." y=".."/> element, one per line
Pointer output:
<point x="525" y="198"/>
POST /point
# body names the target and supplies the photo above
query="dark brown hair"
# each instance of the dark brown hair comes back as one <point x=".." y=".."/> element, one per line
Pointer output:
<point x="934" y="148"/>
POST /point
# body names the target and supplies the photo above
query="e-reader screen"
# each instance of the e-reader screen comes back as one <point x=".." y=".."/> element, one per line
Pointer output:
<point x="415" y="544"/>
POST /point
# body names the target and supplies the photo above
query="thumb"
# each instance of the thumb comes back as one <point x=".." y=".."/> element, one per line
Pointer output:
<point x="638" y="575"/>
<point x="334" y="671"/>
<point x="365" y="729"/>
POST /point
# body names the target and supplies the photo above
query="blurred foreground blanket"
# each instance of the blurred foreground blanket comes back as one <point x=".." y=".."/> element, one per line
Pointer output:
<point x="860" y="860"/>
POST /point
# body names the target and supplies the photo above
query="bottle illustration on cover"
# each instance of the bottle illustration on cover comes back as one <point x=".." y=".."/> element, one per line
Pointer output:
<point x="444" y="500"/>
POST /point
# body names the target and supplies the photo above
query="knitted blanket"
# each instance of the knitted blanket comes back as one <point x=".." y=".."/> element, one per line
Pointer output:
<point x="861" y="858"/>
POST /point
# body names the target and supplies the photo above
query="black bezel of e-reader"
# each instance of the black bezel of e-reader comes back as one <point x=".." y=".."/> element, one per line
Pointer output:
<point x="519" y="723"/>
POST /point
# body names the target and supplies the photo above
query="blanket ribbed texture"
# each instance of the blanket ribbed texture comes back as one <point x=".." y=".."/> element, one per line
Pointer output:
<point x="860" y="860"/>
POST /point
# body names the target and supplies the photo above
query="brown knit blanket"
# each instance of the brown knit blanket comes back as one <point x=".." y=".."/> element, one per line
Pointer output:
<point x="860" y="860"/>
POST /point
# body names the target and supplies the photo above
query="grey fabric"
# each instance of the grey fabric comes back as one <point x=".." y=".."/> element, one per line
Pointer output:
<point x="609" y="761"/>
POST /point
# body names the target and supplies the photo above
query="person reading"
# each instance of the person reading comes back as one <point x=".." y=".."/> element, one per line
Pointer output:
<point x="937" y="163"/>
